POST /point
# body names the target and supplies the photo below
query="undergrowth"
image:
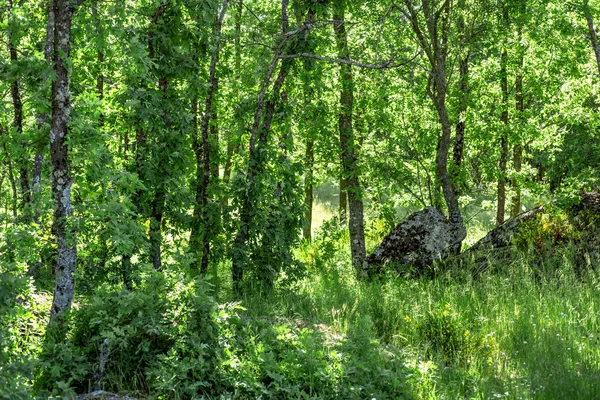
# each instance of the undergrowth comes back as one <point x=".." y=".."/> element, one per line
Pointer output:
<point x="526" y="330"/>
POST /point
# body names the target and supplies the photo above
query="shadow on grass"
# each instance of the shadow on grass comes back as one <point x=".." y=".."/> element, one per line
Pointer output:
<point x="552" y="365"/>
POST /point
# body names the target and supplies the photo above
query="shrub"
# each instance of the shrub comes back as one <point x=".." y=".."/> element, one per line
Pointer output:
<point x="162" y="339"/>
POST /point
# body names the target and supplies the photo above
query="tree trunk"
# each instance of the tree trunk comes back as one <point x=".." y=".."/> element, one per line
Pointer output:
<point x="350" y="173"/>
<point x="232" y="140"/>
<point x="593" y="37"/>
<point x="463" y="88"/>
<point x="343" y="198"/>
<point x="504" y="138"/>
<point x="18" y="119"/>
<point x="64" y="288"/>
<point x="459" y="138"/>
<point x="518" y="148"/>
<point x="11" y="179"/>
<point x="158" y="200"/>
<point x="199" y="240"/>
<point x="309" y="162"/>
<point x="42" y="117"/>
<point x="239" y="255"/>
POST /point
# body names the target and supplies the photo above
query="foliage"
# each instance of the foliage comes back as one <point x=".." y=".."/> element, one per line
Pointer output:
<point x="162" y="338"/>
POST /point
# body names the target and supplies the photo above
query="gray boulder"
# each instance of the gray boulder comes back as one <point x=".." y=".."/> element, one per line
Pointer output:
<point x="422" y="238"/>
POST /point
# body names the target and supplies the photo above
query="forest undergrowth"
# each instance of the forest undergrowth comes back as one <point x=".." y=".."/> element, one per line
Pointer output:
<point x="527" y="329"/>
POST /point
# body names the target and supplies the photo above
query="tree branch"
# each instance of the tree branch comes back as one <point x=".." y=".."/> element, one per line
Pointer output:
<point x="386" y="65"/>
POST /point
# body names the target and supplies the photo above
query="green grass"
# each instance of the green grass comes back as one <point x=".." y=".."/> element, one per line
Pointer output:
<point x="508" y="335"/>
<point x="525" y="329"/>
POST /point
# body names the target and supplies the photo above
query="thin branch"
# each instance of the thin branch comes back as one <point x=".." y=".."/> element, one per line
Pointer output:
<point x="386" y="65"/>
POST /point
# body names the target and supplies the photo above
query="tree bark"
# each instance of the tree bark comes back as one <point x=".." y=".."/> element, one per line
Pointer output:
<point x="199" y="240"/>
<point x="232" y="140"/>
<point x="18" y="119"/>
<point x="239" y="256"/>
<point x="504" y="138"/>
<point x="11" y="179"/>
<point x="309" y="162"/>
<point x="593" y="37"/>
<point x="350" y="172"/>
<point x="518" y="148"/>
<point x="42" y="117"/>
<point x="463" y="88"/>
<point x="64" y="231"/>
<point x="432" y="36"/>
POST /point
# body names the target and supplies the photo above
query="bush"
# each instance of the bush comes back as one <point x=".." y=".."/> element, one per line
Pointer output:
<point x="162" y="339"/>
<point x="20" y="331"/>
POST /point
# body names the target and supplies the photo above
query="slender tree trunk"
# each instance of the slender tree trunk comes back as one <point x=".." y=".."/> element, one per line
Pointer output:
<point x="518" y="148"/>
<point x="42" y="117"/>
<point x="593" y="37"/>
<point x="64" y="288"/>
<point x="232" y="139"/>
<point x="11" y="179"/>
<point x="348" y="151"/>
<point x="199" y="240"/>
<point x="157" y="206"/>
<point x="343" y="198"/>
<point x="463" y="93"/>
<point x="239" y="256"/>
<point x="504" y="138"/>
<point x="18" y="119"/>
<point x="309" y="162"/>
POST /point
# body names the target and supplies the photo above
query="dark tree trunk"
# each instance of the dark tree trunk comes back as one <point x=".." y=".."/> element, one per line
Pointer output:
<point x="504" y="138"/>
<point x="63" y="229"/>
<point x="42" y="117"/>
<point x="343" y="197"/>
<point x="432" y="36"/>
<point x="593" y="36"/>
<point x="350" y="173"/>
<point x="459" y="138"/>
<point x="232" y="139"/>
<point x="309" y="162"/>
<point x="518" y="148"/>
<point x="157" y="206"/>
<point x="11" y="179"/>
<point x="239" y="255"/>
<point x="18" y="119"/>
<point x="463" y="93"/>
<point x="199" y="240"/>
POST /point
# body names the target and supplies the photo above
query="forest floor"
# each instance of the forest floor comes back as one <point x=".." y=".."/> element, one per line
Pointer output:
<point x="528" y="330"/>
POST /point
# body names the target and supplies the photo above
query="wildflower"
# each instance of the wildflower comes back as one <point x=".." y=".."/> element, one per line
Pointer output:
<point x="524" y="342"/>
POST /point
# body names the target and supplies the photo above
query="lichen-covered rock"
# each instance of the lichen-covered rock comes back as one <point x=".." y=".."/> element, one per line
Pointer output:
<point x="421" y="239"/>
<point x="503" y="235"/>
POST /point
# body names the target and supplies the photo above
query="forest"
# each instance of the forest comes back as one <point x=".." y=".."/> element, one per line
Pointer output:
<point x="299" y="199"/>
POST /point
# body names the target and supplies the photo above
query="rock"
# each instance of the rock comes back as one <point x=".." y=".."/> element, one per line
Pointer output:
<point x="503" y="235"/>
<point x="421" y="239"/>
<point x="102" y="395"/>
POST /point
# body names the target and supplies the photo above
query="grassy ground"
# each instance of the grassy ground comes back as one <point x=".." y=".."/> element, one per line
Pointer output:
<point x="529" y="329"/>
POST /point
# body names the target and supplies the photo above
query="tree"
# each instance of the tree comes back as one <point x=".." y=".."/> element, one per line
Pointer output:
<point x="64" y="288"/>
<point x="350" y="174"/>
<point x="431" y="22"/>
<point x="199" y="240"/>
